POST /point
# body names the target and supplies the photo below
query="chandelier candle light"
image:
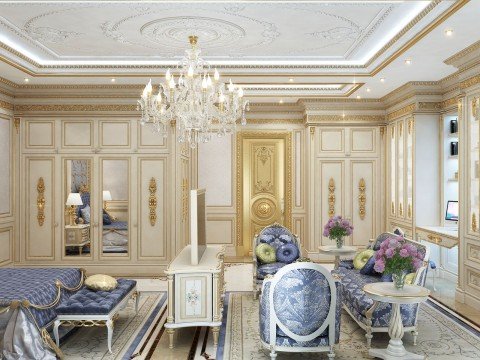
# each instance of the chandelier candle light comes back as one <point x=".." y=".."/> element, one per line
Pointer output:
<point x="196" y="100"/>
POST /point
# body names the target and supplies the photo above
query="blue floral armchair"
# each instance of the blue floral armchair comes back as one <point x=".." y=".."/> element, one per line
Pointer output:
<point x="300" y="309"/>
<point x="275" y="235"/>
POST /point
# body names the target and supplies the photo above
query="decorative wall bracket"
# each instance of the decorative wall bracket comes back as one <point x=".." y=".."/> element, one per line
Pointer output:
<point x="409" y="211"/>
<point x="16" y="123"/>
<point x="152" y="201"/>
<point x="474" y="222"/>
<point x="400" y="209"/>
<point x="362" y="198"/>
<point x="41" y="201"/>
<point x="331" y="197"/>
<point x="393" y="208"/>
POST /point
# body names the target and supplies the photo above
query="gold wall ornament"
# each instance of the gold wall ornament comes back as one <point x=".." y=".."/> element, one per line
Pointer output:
<point x="184" y="199"/>
<point x="409" y="211"/>
<point x="331" y="197"/>
<point x="152" y="201"/>
<point x="41" y="201"/>
<point x="16" y="123"/>
<point x="393" y="208"/>
<point x="400" y="112"/>
<point x="400" y="129"/>
<point x="400" y="209"/>
<point x="475" y="105"/>
<point x="474" y="222"/>
<point x="410" y="126"/>
<point x="393" y="132"/>
<point x="382" y="130"/>
<point x="362" y="198"/>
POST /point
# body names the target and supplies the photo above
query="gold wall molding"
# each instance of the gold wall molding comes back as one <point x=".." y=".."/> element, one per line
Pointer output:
<point x="393" y="208"/>
<point x="6" y="105"/>
<point x="40" y="201"/>
<point x="287" y="136"/>
<point x="474" y="222"/>
<point x="152" y="201"/>
<point x="432" y="106"/>
<point x="400" y="209"/>
<point x="410" y="126"/>
<point x="462" y="53"/>
<point x="401" y="112"/>
<point x="331" y="198"/>
<point x="16" y="123"/>
<point x="75" y="107"/>
<point x="452" y="102"/>
<point x="362" y="198"/>
<point x="184" y="199"/>
<point x="409" y="211"/>
<point x="275" y="121"/>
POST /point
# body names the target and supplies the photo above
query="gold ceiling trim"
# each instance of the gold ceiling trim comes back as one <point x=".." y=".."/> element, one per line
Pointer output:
<point x="430" y="106"/>
<point x="275" y="121"/>
<point x="462" y="53"/>
<point x="450" y="11"/>
<point x="75" y="107"/>
<point x="401" y="112"/>
<point x="474" y="80"/>
<point x="452" y="102"/>
<point x="6" y="105"/>
<point x="346" y="118"/>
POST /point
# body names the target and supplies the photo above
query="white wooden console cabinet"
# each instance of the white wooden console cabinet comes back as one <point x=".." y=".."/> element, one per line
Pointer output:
<point x="195" y="292"/>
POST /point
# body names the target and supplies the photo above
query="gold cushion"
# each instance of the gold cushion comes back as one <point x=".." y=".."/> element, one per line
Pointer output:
<point x="361" y="258"/>
<point x="410" y="278"/>
<point x="101" y="282"/>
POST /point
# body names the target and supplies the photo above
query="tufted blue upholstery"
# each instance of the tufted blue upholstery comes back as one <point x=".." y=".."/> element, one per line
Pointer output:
<point x="38" y="287"/>
<point x="268" y="269"/>
<point x="287" y="253"/>
<point x="85" y="200"/>
<point x="276" y="235"/>
<point x="88" y="302"/>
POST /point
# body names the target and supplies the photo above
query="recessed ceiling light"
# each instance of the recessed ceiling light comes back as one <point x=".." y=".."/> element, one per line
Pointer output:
<point x="368" y="90"/>
<point x="291" y="79"/>
<point x="382" y="79"/>
<point x="112" y="79"/>
<point x="408" y="61"/>
<point x="26" y="79"/>
<point x="449" y="32"/>
<point x="359" y="97"/>
<point x="281" y="101"/>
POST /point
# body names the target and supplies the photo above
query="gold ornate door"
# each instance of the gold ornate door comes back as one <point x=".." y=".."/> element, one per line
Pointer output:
<point x="263" y="184"/>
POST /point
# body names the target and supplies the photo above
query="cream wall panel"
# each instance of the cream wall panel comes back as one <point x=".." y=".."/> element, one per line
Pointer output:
<point x="299" y="227"/>
<point x="220" y="230"/>
<point x="6" y="173"/>
<point x="40" y="239"/>
<point x="331" y="141"/>
<point x="115" y="134"/>
<point x="149" y="139"/>
<point x="6" y="245"/>
<point x="39" y="134"/>
<point x="299" y="169"/>
<point x="326" y="170"/>
<point x="152" y="239"/>
<point x="365" y="228"/>
<point x="363" y="141"/>
<point x="215" y="170"/>
<point x="77" y="134"/>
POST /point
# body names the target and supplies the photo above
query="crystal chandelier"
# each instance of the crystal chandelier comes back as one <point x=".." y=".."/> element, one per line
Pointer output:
<point x="198" y="102"/>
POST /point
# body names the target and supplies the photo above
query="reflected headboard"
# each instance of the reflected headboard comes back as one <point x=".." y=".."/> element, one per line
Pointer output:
<point x="198" y="234"/>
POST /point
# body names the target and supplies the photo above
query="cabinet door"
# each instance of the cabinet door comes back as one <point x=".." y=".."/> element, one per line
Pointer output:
<point x="331" y="142"/>
<point x="400" y="169"/>
<point x="330" y="184"/>
<point x="409" y="167"/>
<point x="40" y="226"/>
<point x="473" y="167"/>
<point x="193" y="297"/>
<point x="392" y="153"/>
<point x="364" y="194"/>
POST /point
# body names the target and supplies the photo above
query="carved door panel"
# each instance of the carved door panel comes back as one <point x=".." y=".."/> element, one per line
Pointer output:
<point x="264" y="186"/>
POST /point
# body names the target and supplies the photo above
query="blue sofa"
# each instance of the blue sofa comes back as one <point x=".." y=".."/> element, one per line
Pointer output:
<point x="370" y="315"/>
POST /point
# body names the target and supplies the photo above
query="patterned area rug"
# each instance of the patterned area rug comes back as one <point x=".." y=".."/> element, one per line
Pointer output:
<point x="132" y="335"/>
<point x="441" y="337"/>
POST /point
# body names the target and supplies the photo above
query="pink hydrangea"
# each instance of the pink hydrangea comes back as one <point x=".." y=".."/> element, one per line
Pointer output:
<point x="404" y="253"/>
<point x="379" y="266"/>
<point x="389" y="253"/>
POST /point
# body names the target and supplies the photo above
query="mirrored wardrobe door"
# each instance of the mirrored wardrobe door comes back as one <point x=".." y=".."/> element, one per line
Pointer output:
<point x="77" y="234"/>
<point x="114" y="220"/>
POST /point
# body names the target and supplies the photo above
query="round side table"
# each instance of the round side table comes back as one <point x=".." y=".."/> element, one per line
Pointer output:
<point x="386" y="292"/>
<point x="337" y="252"/>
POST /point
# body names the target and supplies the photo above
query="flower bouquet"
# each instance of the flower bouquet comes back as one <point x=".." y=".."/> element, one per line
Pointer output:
<point x="398" y="257"/>
<point x="336" y="228"/>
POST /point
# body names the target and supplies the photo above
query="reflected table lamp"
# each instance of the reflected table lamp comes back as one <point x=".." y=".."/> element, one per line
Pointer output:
<point x="73" y="201"/>
<point x="107" y="196"/>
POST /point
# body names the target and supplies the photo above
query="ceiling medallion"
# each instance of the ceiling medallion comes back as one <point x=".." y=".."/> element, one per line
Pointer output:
<point x="199" y="104"/>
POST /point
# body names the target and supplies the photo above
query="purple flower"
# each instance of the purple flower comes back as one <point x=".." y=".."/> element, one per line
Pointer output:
<point x="379" y="266"/>
<point x="380" y="253"/>
<point x="389" y="253"/>
<point x="417" y="264"/>
<point x="404" y="253"/>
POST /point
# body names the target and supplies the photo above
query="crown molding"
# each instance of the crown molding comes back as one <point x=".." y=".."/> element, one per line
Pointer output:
<point x="463" y="57"/>
<point x="357" y="119"/>
<point x="474" y="80"/>
<point x="6" y="105"/>
<point x="75" y="108"/>
<point x="408" y="109"/>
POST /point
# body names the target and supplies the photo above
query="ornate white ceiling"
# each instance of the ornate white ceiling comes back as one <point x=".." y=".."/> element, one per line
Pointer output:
<point x="336" y="33"/>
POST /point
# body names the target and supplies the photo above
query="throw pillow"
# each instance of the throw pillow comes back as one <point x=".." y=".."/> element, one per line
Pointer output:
<point x="410" y="278"/>
<point x="361" y="258"/>
<point x="107" y="220"/>
<point x="265" y="253"/>
<point x="86" y="214"/>
<point x="287" y="253"/>
<point x="368" y="267"/>
<point x="101" y="282"/>
<point x="386" y="278"/>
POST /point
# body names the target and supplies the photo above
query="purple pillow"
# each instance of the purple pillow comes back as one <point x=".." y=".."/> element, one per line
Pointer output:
<point x="287" y="253"/>
<point x="386" y="278"/>
<point x="368" y="267"/>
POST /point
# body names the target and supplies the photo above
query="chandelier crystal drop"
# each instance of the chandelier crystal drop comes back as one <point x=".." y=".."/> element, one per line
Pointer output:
<point x="195" y="99"/>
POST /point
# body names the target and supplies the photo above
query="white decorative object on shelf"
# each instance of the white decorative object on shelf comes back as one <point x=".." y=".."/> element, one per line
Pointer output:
<point x="198" y="101"/>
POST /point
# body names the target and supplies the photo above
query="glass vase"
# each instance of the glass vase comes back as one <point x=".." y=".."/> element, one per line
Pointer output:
<point x="339" y="242"/>
<point x="399" y="279"/>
